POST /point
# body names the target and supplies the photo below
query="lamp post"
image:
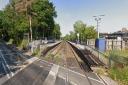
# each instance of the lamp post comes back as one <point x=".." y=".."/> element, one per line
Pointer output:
<point x="98" y="19"/>
<point x="78" y="38"/>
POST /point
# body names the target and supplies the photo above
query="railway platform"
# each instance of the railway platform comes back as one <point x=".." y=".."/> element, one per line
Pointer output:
<point x="44" y="73"/>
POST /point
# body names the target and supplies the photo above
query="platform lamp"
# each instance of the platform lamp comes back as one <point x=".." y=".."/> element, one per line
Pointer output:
<point x="78" y="39"/>
<point x="98" y="19"/>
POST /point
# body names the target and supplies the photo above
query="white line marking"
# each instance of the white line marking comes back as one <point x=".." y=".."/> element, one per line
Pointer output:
<point x="95" y="80"/>
<point x="51" y="78"/>
<point x="41" y="66"/>
<point x="75" y="72"/>
<point x="73" y="83"/>
<point x="83" y="75"/>
<point x="6" y="63"/>
<point x="61" y="77"/>
<point x="10" y="53"/>
<point x="100" y="79"/>
<point x="47" y="62"/>
<point x="6" y="71"/>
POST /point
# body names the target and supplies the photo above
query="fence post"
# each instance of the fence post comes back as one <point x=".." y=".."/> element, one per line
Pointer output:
<point x="112" y="44"/>
<point x="105" y="44"/>
<point x="109" y="62"/>
<point x="121" y="45"/>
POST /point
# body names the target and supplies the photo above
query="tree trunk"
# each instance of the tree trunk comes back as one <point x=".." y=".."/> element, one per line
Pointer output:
<point x="30" y="21"/>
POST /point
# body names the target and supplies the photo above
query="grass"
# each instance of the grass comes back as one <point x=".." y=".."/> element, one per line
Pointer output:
<point x="23" y="44"/>
<point x="101" y="71"/>
<point x="123" y="53"/>
<point x="119" y="74"/>
<point x="10" y="41"/>
<point x="119" y="69"/>
<point x="36" y="52"/>
<point x="118" y="57"/>
<point x="54" y="58"/>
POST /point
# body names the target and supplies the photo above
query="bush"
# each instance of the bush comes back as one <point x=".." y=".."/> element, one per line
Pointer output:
<point x="36" y="52"/>
<point x="24" y="44"/>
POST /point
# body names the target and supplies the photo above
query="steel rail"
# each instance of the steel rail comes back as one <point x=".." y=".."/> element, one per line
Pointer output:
<point x="81" y="66"/>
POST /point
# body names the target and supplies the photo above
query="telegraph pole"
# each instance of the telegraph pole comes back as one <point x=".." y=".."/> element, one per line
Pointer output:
<point x="98" y="19"/>
<point x="30" y="23"/>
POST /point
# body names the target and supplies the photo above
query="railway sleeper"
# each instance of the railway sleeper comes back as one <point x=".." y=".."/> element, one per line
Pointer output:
<point x="86" y="66"/>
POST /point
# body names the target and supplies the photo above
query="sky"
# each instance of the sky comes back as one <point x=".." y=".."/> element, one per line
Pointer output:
<point x="3" y="3"/>
<point x="70" y="11"/>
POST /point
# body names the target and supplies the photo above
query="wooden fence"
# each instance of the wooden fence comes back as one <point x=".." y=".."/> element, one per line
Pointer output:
<point x="91" y="43"/>
<point x="110" y="44"/>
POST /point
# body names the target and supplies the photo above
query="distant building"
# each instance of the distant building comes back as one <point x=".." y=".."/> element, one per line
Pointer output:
<point x="124" y="30"/>
<point x="123" y="34"/>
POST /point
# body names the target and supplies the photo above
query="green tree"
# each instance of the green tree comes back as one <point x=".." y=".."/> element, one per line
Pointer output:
<point x="73" y="36"/>
<point x="90" y="33"/>
<point x="45" y="12"/>
<point x="17" y="23"/>
<point x="3" y="26"/>
<point x="79" y="27"/>
<point x="85" y="32"/>
<point x="66" y="37"/>
<point x="56" y="31"/>
<point x="19" y="13"/>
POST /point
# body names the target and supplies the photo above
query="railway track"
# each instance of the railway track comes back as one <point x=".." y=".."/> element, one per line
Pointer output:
<point x="88" y="57"/>
<point x="72" y="58"/>
<point x="94" y="61"/>
<point x="41" y="71"/>
<point x="83" y="63"/>
<point x="72" y="61"/>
